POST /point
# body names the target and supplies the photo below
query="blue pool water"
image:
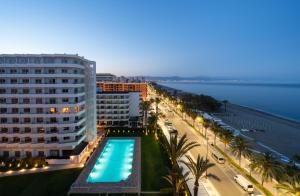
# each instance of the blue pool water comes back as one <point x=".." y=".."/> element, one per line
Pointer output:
<point x="114" y="163"/>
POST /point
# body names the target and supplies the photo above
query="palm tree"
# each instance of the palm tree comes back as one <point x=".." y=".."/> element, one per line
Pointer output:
<point x="289" y="188"/>
<point x="198" y="168"/>
<point x="267" y="165"/>
<point x="226" y="137"/>
<point x="216" y="130"/>
<point x="176" y="148"/>
<point x="193" y="115"/>
<point x="145" y="105"/>
<point x="180" y="181"/>
<point x="225" y="102"/>
<point x="205" y="125"/>
<point x="239" y="147"/>
<point x="157" y="101"/>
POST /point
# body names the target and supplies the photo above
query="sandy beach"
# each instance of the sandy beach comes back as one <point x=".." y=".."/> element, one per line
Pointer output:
<point x="280" y="134"/>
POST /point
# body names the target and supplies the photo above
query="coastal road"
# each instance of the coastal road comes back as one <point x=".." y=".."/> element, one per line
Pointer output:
<point x="226" y="186"/>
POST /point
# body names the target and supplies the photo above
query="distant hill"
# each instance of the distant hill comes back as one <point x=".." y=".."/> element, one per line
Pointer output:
<point x="191" y="79"/>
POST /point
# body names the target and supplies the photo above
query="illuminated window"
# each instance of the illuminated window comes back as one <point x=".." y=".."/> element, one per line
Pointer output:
<point x="52" y="110"/>
<point x="65" y="110"/>
<point x="76" y="109"/>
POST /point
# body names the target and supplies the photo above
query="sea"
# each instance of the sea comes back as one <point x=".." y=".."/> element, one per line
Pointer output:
<point x="278" y="99"/>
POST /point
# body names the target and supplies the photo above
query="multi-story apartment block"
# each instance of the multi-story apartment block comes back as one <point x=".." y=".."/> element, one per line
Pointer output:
<point x="118" y="109"/>
<point x="123" y="87"/>
<point x="47" y="104"/>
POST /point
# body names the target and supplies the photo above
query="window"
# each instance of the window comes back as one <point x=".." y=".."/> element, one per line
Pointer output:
<point x="51" y="71"/>
<point x="41" y="140"/>
<point x="39" y="120"/>
<point x="2" y="71"/>
<point x="17" y="153"/>
<point x="64" y="81"/>
<point x="38" y="81"/>
<point x="26" y="110"/>
<point x="14" y="91"/>
<point x="27" y="129"/>
<point x="52" y="81"/>
<point x="25" y="91"/>
<point x="41" y="153"/>
<point x="27" y="120"/>
<point x="3" y="110"/>
<point x="14" y="110"/>
<point x="15" y="120"/>
<point x="65" y="100"/>
<point x="40" y="130"/>
<point x="14" y="100"/>
<point x="76" y="109"/>
<point x="2" y="81"/>
<point x="52" y="110"/>
<point x="52" y="100"/>
<point x="66" y="128"/>
<point x="25" y="81"/>
<point x="39" y="110"/>
<point x="64" y="71"/>
<point x="52" y="91"/>
<point x="66" y="119"/>
<point x="13" y="81"/>
<point x="16" y="129"/>
<point x="66" y="138"/>
<point x="65" y="90"/>
<point x="26" y="101"/>
<point x="2" y="100"/>
<point x="4" y="130"/>
<point x="38" y="100"/>
<point x="38" y="91"/>
<point x="25" y="71"/>
<point x="65" y="110"/>
<point x="2" y="91"/>
<point x="13" y="71"/>
<point x="38" y="71"/>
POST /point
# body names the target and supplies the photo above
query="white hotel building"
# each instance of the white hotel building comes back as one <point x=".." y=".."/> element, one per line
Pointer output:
<point x="118" y="109"/>
<point x="47" y="104"/>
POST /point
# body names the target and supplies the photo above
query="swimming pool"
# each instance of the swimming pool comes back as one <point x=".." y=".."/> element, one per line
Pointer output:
<point x="114" y="163"/>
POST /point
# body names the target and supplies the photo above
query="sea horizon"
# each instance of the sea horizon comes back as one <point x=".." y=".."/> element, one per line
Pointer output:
<point x="284" y="96"/>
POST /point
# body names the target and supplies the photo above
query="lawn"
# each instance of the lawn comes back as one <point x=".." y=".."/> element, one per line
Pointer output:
<point x="154" y="165"/>
<point x="42" y="184"/>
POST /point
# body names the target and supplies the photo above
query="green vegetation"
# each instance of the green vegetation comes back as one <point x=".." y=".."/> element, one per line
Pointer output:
<point x="155" y="164"/>
<point x="47" y="183"/>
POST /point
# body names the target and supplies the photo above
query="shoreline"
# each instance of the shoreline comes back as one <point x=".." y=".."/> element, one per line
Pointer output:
<point x="288" y="119"/>
<point x="276" y="132"/>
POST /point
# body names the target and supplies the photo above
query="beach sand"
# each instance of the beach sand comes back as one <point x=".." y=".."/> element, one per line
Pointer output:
<point x="277" y="133"/>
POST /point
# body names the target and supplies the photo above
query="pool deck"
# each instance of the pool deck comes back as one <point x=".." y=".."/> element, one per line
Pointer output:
<point x="130" y="185"/>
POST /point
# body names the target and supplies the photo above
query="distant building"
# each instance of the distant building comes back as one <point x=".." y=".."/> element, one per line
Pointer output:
<point x="123" y="87"/>
<point x="105" y="77"/>
<point x="118" y="109"/>
<point x="47" y="104"/>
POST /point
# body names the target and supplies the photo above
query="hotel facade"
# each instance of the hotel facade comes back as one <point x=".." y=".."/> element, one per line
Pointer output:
<point x="118" y="109"/>
<point x="47" y="104"/>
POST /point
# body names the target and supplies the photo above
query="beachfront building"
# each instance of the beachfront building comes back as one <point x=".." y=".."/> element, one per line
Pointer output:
<point x="105" y="77"/>
<point x="47" y="104"/>
<point x="123" y="87"/>
<point x="118" y="109"/>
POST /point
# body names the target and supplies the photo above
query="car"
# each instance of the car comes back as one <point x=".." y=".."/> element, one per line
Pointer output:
<point x="244" y="183"/>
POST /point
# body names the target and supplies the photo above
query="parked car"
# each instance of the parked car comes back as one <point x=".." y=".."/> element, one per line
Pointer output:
<point x="244" y="183"/>
<point x="219" y="158"/>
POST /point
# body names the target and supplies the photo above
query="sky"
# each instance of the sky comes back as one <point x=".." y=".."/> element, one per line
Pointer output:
<point x="251" y="39"/>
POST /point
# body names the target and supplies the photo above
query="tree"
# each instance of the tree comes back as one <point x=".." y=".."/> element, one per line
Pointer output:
<point x="226" y="137"/>
<point x="225" y="102"/>
<point x="145" y="105"/>
<point x="198" y="168"/>
<point x="193" y="115"/>
<point x="216" y="130"/>
<point x="239" y="147"/>
<point x="267" y="166"/>
<point x="180" y="181"/>
<point x="157" y="101"/>
<point x="286" y="188"/>
<point x="205" y="124"/>
<point x="176" y="148"/>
